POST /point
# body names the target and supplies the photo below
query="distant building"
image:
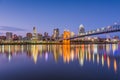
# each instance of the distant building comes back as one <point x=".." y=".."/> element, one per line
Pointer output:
<point x="81" y="29"/>
<point x="29" y="36"/>
<point x="34" y="36"/>
<point x="40" y="37"/>
<point x="45" y="34"/>
<point x="2" y="37"/>
<point x="56" y="33"/>
<point x="20" y="37"/>
<point x="46" y="37"/>
<point x="24" y="38"/>
<point x="72" y="34"/>
<point x="61" y="36"/>
<point x="116" y="37"/>
<point x="8" y="35"/>
<point x="15" y="37"/>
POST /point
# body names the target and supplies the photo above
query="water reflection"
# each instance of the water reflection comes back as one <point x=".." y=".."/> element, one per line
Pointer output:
<point x="102" y="54"/>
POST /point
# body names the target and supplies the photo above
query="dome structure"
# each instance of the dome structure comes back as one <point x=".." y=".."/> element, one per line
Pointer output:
<point x="81" y="29"/>
<point x="81" y="26"/>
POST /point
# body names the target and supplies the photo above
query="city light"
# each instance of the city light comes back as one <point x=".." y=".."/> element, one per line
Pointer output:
<point x="66" y="37"/>
<point x="59" y="40"/>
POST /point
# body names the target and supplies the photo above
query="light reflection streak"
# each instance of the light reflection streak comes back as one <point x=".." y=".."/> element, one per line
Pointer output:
<point x="98" y="58"/>
<point x="102" y="60"/>
<point x="108" y="62"/>
<point x="34" y="51"/>
<point x="115" y="65"/>
<point x="114" y="48"/>
<point x="46" y="56"/>
<point x="108" y="48"/>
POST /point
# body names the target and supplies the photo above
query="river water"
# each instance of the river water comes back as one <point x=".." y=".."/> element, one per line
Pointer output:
<point x="60" y="62"/>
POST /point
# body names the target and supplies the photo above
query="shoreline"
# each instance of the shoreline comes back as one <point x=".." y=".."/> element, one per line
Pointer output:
<point x="57" y="43"/>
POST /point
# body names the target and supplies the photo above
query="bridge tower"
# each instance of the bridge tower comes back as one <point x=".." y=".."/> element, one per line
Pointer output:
<point x="66" y="34"/>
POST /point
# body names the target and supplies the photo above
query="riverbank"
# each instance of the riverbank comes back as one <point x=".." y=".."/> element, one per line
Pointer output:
<point x="54" y="43"/>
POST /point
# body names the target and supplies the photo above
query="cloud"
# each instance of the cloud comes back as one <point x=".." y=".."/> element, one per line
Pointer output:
<point x="9" y="28"/>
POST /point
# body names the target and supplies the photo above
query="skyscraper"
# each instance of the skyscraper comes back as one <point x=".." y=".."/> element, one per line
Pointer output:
<point x="81" y="29"/>
<point x="56" y="33"/>
<point x="9" y="35"/>
<point x="34" y="37"/>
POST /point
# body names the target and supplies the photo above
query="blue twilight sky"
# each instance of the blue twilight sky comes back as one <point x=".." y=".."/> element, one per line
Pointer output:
<point x="19" y="16"/>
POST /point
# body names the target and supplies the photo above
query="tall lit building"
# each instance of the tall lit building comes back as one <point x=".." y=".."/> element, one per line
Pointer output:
<point x="56" y="33"/>
<point x="9" y="35"/>
<point x="81" y="29"/>
<point x="34" y="37"/>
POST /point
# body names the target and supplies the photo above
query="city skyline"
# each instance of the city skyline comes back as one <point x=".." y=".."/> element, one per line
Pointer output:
<point x="59" y="39"/>
<point x="19" y="16"/>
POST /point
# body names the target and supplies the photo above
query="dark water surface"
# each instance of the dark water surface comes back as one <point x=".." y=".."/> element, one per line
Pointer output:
<point x="60" y="62"/>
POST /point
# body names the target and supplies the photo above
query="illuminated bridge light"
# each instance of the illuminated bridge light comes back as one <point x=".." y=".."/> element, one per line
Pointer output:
<point x="93" y="31"/>
<point x="66" y="35"/>
<point x="89" y="32"/>
<point x="98" y="30"/>
<point x="103" y="28"/>
<point x="109" y="27"/>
